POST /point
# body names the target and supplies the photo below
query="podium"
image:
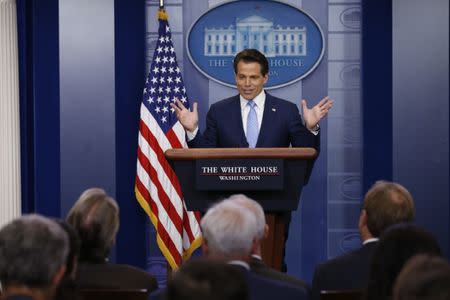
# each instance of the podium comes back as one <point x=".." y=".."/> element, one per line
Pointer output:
<point x="272" y="176"/>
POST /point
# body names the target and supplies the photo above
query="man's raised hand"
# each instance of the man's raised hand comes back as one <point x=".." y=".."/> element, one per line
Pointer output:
<point x="316" y="113"/>
<point x="187" y="118"/>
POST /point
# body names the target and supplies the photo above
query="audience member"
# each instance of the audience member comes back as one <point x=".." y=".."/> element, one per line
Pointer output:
<point x="385" y="204"/>
<point x="33" y="252"/>
<point x="257" y="265"/>
<point x="201" y="279"/>
<point x="398" y="244"/>
<point x="424" y="277"/>
<point x="95" y="217"/>
<point x="228" y="234"/>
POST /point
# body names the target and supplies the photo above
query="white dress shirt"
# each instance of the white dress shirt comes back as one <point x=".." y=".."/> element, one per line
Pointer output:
<point x="259" y="101"/>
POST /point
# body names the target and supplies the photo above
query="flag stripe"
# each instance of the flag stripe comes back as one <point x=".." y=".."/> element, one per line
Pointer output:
<point x="157" y="191"/>
<point x="180" y="133"/>
<point x="164" y="236"/>
<point x="189" y="221"/>
<point x="186" y="226"/>
<point x="160" y="158"/>
<point x="152" y="198"/>
<point x="173" y="139"/>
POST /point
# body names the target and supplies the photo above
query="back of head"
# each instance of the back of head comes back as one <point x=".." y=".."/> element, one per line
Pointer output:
<point x="386" y="204"/>
<point x="252" y="56"/>
<point x="424" y="277"/>
<point x="255" y="208"/>
<point x="228" y="231"/>
<point x="95" y="217"/>
<point x="398" y="244"/>
<point x="201" y="279"/>
<point x="32" y="250"/>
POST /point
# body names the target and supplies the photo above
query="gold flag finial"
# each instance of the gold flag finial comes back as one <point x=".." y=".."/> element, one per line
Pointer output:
<point x="162" y="14"/>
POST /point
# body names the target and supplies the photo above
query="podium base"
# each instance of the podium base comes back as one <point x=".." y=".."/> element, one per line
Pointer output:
<point x="273" y="246"/>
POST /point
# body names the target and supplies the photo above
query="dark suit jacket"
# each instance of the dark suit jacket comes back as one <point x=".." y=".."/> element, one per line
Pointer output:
<point x="281" y="126"/>
<point x="349" y="271"/>
<point x="260" y="288"/>
<point x="17" y="297"/>
<point x="106" y="275"/>
<point x="259" y="267"/>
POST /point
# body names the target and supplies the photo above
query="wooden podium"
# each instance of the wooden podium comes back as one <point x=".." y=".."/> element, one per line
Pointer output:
<point x="272" y="176"/>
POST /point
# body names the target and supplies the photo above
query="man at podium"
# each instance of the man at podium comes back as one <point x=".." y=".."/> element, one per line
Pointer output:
<point x="254" y="118"/>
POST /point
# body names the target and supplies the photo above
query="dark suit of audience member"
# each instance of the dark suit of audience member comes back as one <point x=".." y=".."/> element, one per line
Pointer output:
<point x="396" y="246"/>
<point x="17" y="297"/>
<point x="423" y="277"/>
<point x="349" y="271"/>
<point x="203" y="279"/>
<point x="261" y="288"/>
<point x="258" y="266"/>
<point x="107" y="275"/>
<point x="95" y="216"/>
<point x="228" y="235"/>
<point x="33" y="252"/>
<point x="385" y="204"/>
<point x="256" y="263"/>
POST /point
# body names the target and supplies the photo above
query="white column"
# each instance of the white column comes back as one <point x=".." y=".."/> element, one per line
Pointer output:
<point x="9" y="114"/>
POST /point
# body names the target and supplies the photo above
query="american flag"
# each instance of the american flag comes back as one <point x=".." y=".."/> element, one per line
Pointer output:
<point x="157" y="188"/>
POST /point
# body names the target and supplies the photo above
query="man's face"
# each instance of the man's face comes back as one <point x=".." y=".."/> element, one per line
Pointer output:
<point x="249" y="79"/>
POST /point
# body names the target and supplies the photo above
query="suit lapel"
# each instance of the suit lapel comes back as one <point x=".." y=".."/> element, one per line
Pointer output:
<point x="268" y="119"/>
<point x="236" y="121"/>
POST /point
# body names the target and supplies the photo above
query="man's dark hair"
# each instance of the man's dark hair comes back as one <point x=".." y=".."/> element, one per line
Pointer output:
<point x="387" y="203"/>
<point x="424" y="277"/>
<point x="252" y="55"/>
<point x="32" y="250"/>
<point x="397" y="244"/>
<point x="203" y="279"/>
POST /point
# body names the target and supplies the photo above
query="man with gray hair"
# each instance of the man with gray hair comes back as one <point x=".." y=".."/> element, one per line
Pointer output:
<point x="33" y="251"/>
<point x="256" y="263"/>
<point x="228" y="235"/>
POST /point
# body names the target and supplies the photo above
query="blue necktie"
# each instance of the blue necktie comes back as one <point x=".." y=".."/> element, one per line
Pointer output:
<point x="252" y="125"/>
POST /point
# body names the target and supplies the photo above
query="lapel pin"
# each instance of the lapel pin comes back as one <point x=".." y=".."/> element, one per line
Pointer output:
<point x="274" y="109"/>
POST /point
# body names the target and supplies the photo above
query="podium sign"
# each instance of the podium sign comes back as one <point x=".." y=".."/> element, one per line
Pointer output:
<point x="239" y="174"/>
<point x="293" y="171"/>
